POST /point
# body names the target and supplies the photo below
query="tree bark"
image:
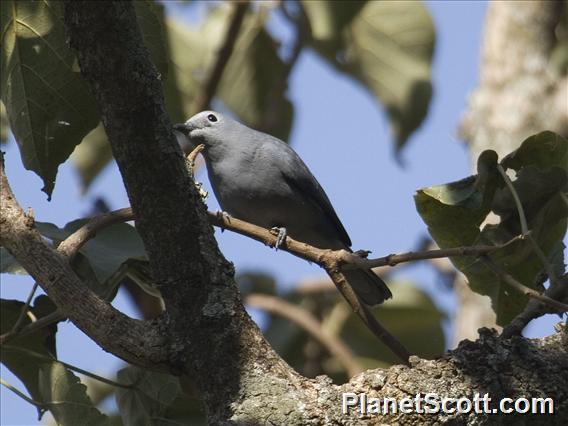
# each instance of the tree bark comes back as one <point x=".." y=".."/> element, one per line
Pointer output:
<point x="205" y="332"/>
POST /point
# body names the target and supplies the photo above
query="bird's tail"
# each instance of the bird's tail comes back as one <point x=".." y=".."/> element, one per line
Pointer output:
<point x="368" y="286"/>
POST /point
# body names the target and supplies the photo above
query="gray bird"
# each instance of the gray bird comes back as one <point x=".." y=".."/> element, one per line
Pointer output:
<point x="260" y="179"/>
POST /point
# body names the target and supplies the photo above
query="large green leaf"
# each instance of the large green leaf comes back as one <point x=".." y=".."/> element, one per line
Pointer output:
<point x="32" y="359"/>
<point x="49" y="106"/>
<point x="148" y="399"/>
<point x="67" y="397"/>
<point x="251" y="81"/>
<point x="24" y="365"/>
<point x="454" y="213"/>
<point x="385" y="45"/>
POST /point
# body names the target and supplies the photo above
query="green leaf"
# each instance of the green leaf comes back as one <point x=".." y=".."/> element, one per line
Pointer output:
<point x="25" y="366"/>
<point x="150" y="16"/>
<point x="98" y="262"/>
<point x="4" y="125"/>
<point x="251" y="82"/>
<point x="67" y="397"/>
<point x="49" y="106"/>
<point x="9" y="264"/>
<point x="424" y="337"/>
<point x="105" y="253"/>
<point x="455" y="212"/>
<point x="385" y="45"/>
<point x="256" y="282"/>
<point x="146" y="402"/>
<point x="92" y="156"/>
<point x="544" y="149"/>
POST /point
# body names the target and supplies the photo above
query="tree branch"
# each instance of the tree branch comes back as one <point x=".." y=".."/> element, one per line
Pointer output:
<point x="134" y="341"/>
<point x="523" y="289"/>
<point x="204" y="319"/>
<point x="304" y="319"/>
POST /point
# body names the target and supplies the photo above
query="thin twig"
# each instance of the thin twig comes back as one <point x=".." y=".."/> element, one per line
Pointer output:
<point x="23" y="395"/>
<point x="72" y="244"/>
<point x="42" y="322"/>
<point x="395" y="259"/>
<point x="524" y="226"/>
<point x="521" y="288"/>
<point x="18" y="324"/>
<point x="203" y="101"/>
<point x="309" y="323"/>
<point x="69" y="366"/>
<point x="535" y="308"/>
<point x="522" y="217"/>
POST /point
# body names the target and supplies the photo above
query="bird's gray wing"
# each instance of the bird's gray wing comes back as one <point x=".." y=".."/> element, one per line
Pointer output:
<point x="299" y="177"/>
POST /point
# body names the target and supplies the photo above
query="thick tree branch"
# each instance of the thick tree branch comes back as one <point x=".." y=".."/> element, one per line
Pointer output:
<point x="134" y="341"/>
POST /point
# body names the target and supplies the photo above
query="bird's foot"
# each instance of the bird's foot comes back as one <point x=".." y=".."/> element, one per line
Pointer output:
<point x="223" y="217"/>
<point x="280" y="233"/>
<point x="202" y="193"/>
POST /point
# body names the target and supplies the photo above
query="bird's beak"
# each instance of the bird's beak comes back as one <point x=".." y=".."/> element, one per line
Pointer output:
<point x="181" y="127"/>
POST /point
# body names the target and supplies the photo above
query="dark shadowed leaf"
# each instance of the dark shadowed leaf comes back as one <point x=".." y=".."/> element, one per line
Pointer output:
<point x="455" y="212"/>
<point x="545" y="149"/>
<point x="385" y="45"/>
<point x="70" y="404"/>
<point x="251" y="82"/>
<point x="49" y="106"/>
<point x="4" y="125"/>
<point x="24" y="365"/>
<point x="110" y="248"/>
<point x="150" y="17"/>
<point x="256" y="282"/>
<point x="92" y="155"/>
<point x="149" y="398"/>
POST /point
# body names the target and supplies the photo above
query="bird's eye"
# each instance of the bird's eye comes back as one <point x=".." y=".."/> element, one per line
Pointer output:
<point x="212" y="118"/>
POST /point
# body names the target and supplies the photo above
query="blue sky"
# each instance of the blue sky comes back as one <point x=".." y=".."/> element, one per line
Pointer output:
<point x="341" y="133"/>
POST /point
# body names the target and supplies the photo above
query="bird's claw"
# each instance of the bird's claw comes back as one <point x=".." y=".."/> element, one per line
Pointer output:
<point x="280" y="235"/>
<point x="223" y="217"/>
<point x="202" y="193"/>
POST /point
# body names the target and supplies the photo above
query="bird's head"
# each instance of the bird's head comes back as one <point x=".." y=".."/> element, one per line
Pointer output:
<point x="203" y="127"/>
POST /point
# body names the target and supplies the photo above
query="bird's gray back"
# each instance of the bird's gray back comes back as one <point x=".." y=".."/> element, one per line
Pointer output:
<point x="260" y="179"/>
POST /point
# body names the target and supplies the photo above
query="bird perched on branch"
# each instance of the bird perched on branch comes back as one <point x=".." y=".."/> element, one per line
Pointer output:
<point x="260" y="179"/>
